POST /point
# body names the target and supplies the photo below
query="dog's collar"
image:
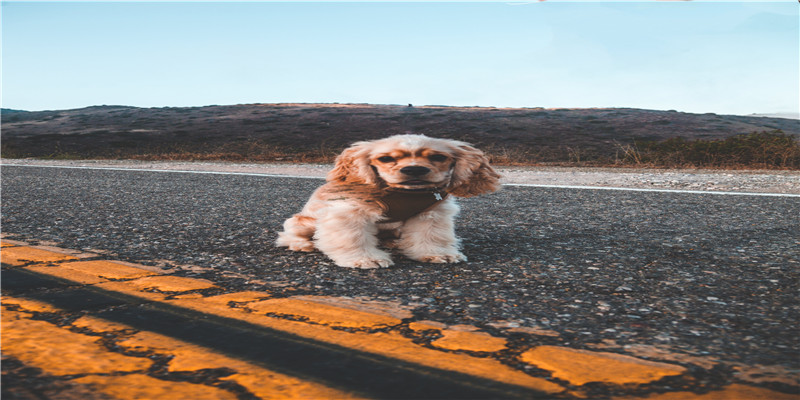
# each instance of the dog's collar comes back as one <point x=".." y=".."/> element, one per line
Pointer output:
<point x="439" y="190"/>
<point x="402" y="205"/>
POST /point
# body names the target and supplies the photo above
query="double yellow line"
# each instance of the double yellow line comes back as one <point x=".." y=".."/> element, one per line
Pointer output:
<point x="133" y="332"/>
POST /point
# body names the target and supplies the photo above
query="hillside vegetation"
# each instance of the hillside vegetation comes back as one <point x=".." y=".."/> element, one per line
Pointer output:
<point x="317" y="132"/>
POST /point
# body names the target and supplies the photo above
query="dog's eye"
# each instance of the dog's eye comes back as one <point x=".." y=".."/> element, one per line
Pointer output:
<point x="438" y="158"/>
<point x="386" y="159"/>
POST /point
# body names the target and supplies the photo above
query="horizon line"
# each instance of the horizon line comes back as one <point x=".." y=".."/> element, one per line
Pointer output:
<point x="778" y="114"/>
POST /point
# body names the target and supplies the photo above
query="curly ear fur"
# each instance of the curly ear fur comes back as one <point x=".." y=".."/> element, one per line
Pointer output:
<point x="472" y="174"/>
<point x="352" y="166"/>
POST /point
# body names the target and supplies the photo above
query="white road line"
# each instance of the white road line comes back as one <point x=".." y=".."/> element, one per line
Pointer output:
<point x="182" y="171"/>
<point x="320" y="178"/>
<point x="652" y="190"/>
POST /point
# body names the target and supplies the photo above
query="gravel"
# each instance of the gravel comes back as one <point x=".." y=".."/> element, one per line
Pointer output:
<point x="767" y="181"/>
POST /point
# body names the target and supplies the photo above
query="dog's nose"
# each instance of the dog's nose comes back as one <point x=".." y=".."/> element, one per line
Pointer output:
<point x="415" y="170"/>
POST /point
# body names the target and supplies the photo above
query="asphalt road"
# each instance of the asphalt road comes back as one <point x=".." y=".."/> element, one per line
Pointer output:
<point x="700" y="275"/>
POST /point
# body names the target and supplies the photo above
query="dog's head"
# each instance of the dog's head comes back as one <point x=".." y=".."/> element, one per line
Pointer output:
<point x="417" y="163"/>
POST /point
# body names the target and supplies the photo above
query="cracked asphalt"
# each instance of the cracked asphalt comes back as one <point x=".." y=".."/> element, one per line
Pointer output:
<point x="702" y="277"/>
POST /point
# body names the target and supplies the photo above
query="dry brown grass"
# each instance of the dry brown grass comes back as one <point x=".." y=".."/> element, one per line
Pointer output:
<point x="760" y="150"/>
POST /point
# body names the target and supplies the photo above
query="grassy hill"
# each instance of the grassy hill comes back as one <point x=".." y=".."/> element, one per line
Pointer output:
<point x="317" y="132"/>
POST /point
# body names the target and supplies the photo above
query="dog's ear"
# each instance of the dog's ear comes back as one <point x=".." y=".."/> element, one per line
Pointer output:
<point x="352" y="166"/>
<point x="472" y="174"/>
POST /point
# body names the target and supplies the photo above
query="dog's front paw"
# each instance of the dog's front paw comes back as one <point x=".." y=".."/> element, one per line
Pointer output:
<point x="367" y="263"/>
<point x="444" y="258"/>
<point x="301" y="245"/>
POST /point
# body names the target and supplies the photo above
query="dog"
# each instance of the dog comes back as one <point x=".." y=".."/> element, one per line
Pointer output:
<point x="397" y="192"/>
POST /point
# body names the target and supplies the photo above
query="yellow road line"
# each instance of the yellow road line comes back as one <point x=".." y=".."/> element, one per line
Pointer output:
<point x="21" y="255"/>
<point x="732" y="392"/>
<point x="581" y="366"/>
<point x="391" y="344"/>
<point x="369" y="328"/>
<point x="59" y="351"/>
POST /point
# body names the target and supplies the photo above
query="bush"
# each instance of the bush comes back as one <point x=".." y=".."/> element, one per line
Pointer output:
<point x="769" y="150"/>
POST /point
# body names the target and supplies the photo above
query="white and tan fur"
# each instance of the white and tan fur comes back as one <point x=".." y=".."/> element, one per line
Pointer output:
<point x="343" y="218"/>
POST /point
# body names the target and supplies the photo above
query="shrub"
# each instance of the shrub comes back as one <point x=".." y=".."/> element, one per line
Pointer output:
<point x="769" y="150"/>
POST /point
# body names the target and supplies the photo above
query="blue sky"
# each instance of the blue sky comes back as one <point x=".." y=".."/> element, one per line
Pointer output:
<point x="726" y="58"/>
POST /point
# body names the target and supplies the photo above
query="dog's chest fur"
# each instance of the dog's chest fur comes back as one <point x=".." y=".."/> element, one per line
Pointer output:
<point x="400" y="206"/>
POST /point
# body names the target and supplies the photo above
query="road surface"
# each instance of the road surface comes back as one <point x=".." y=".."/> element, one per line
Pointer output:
<point x="703" y="285"/>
